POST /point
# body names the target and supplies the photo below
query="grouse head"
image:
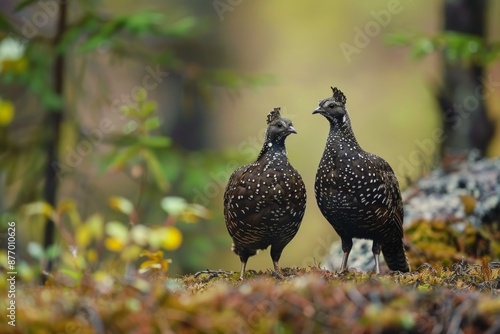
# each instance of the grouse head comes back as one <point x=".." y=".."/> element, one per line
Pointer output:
<point x="278" y="127"/>
<point x="333" y="108"/>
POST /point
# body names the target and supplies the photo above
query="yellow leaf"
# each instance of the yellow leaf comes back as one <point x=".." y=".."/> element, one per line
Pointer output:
<point x="193" y="213"/>
<point x="153" y="256"/>
<point x="21" y="65"/>
<point x="199" y="210"/>
<point x="66" y="205"/>
<point x="113" y="244"/>
<point x="69" y="207"/>
<point x="83" y="236"/>
<point x="147" y="264"/>
<point x="92" y="256"/>
<point x="130" y="253"/>
<point x="121" y="204"/>
<point x="15" y="65"/>
<point x="171" y="238"/>
<point x="73" y="260"/>
<point x="165" y="263"/>
<point x="39" y="208"/>
<point x="95" y="224"/>
<point x="143" y="270"/>
<point x="6" y="112"/>
<point x="189" y="217"/>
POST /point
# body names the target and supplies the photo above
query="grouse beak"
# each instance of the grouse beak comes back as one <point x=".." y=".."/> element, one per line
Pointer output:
<point x="318" y="110"/>
<point x="291" y="129"/>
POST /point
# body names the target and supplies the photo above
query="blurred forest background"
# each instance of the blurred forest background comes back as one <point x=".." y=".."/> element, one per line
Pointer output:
<point x="128" y="118"/>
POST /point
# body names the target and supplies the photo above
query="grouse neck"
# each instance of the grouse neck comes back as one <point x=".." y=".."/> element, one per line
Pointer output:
<point x="341" y="132"/>
<point x="272" y="147"/>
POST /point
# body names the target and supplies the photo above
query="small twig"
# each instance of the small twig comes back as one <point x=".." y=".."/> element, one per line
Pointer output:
<point x="213" y="273"/>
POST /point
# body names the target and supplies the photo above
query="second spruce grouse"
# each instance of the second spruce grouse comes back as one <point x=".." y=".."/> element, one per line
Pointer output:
<point x="357" y="191"/>
<point x="264" y="201"/>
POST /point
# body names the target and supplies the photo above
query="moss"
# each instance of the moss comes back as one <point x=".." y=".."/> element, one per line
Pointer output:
<point x="437" y="243"/>
<point x="308" y="299"/>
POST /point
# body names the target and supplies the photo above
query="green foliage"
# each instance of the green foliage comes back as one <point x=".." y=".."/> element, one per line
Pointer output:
<point x="112" y="32"/>
<point x="137" y="146"/>
<point x="154" y="162"/>
<point x="456" y="47"/>
<point x="81" y="239"/>
<point x="89" y="247"/>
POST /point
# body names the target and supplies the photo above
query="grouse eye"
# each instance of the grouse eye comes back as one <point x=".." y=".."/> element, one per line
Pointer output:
<point x="280" y="125"/>
<point x="331" y="105"/>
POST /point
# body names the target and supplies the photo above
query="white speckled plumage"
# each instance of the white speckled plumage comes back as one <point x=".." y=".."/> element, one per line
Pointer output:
<point x="264" y="201"/>
<point x="357" y="191"/>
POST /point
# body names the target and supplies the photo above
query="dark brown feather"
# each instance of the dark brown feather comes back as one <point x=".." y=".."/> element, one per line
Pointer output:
<point x="358" y="192"/>
<point x="264" y="202"/>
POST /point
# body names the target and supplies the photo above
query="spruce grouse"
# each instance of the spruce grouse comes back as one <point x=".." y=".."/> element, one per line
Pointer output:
<point x="264" y="201"/>
<point x="357" y="191"/>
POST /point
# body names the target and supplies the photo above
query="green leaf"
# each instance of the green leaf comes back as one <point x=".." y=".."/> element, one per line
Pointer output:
<point x="155" y="141"/>
<point x="422" y="47"/>
<point x="130" y="127"/>
<point x="51" y="101"/>
<point x="69" y="38"/>
<point x="152" y="123"/>
<point x="93" y="43"/>
<point x="182" y="28"/>
<point x="26" y="271"/>
<point x="121" y="158"/>
<point x="141" y="22"/>
<point x="53" y="251"/>
<point x="74" y="274"/>
<point x="174" y="205"/>
<point x="154" y="166"/>
<point x="147" y="109"/>
<point x="35" y="250"/>
<point x="398" y="39"/>
<point x="140" y="96"/>
<point x="117" y="230"/>
<point x="100" y="33"/>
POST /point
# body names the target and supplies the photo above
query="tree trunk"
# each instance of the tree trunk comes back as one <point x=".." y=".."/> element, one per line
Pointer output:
<point x="465" y="120"/>
<point x="53" y="122"/>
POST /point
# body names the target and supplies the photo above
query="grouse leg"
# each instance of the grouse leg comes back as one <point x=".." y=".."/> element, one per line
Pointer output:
<point x="242" y="272"/>
<point x="244" y="255"/>
<point x="275" y="256"/>
<point x="346" y="248"/>
<point x="376" y="254"/>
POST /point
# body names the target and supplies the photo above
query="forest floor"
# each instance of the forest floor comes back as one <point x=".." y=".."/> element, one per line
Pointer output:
<point x="462" y="298"/>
